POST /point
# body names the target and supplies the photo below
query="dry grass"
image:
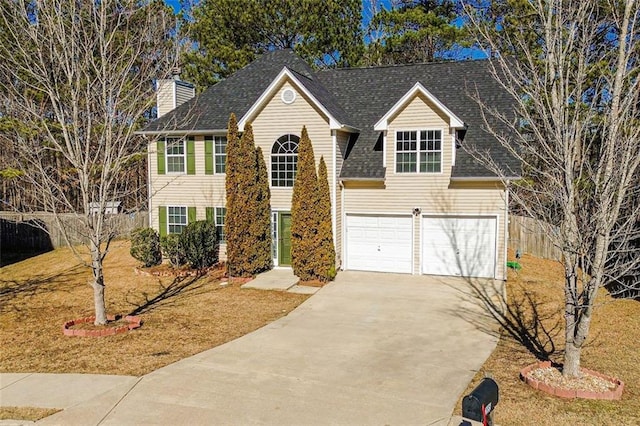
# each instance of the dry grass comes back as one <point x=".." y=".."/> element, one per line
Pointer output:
<point x="613" y="348"/>
<point x="181" y="317"/>
<point x="31" y="414"/>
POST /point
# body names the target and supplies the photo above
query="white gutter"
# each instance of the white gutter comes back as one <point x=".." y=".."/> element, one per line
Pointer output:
<point x="179" y="132"/>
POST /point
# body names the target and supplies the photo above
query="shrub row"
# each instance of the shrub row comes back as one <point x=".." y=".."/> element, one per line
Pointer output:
<point x="196" y="246"/>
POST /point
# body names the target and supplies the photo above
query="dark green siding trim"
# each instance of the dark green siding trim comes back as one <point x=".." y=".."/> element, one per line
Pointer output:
<point x="161" y="166"/>
<point x="162" y="220"/>
<point x="208" y="155"/>
<point x="191" y="156"/>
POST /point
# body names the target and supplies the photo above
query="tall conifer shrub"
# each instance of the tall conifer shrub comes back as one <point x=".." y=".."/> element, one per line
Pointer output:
<point x="304" y="216"/>
<point x="325" y="254"/>
<point x="247" y="225"/>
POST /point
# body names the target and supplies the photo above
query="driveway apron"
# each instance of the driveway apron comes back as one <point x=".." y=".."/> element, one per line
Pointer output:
<point x="374" y="349"/>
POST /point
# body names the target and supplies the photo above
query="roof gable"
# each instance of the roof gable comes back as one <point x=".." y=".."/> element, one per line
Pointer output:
<point x="311" y="91"/>
<point x="418" y="88"/>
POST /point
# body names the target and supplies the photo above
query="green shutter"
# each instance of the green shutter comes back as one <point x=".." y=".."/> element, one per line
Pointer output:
<point x="161" y="168"/>
<point x="210" y="214"/>
<point x="191" y="215"/>
<point x="191" y="156"/>
<point x="162" y="220"/>
<point x="208" y="155"/>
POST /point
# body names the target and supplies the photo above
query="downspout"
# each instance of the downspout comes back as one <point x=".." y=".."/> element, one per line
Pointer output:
<point x="384" y="149"/>
<point x="334" y="211"/>
<point x="506" y="229"/>
<point x="344" y="227"/>
<point x="149" y="204"/>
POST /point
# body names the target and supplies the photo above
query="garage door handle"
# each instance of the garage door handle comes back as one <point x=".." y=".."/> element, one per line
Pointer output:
<point x="378" y="248"/>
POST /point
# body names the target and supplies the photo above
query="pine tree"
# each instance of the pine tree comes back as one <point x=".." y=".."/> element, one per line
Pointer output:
<point x="326" y="254"/>
<point x="323" y="32"/>
<point x="304" y="217"/>
<point x="261" y="223"/>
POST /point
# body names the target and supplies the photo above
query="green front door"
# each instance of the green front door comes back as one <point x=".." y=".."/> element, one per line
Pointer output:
<point x="284" y="239"/>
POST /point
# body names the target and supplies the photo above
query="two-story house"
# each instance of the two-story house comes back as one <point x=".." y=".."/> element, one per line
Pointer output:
<point x="406" y="197"/>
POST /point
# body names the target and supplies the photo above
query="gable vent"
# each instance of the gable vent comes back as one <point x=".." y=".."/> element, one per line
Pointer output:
<point x="288" y="96"/>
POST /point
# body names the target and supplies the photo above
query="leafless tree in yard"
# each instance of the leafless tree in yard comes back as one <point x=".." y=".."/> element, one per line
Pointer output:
<point x="76" y="82"/>
<point x="572" y="68"/>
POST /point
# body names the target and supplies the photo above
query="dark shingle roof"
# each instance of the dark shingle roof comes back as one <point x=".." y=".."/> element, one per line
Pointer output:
<point x="211" y="109"/>
<point x="367" y="94"/>
<point x="359" y="97"/>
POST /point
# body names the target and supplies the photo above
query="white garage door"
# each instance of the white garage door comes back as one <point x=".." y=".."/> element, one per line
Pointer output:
<point x="463" y="246"/>
<point x="379" y="243"/>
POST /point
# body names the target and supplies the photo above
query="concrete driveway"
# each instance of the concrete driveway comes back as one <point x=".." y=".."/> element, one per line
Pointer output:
<point x="374" y="349"/>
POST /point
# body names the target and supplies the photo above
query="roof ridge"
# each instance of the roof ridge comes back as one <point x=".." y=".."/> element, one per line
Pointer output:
<point x="370" y="67"/>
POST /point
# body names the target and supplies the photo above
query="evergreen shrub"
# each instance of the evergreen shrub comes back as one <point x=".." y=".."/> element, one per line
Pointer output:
<point x="145" y="246"/>
<point x="172" y="250"/>
<point x="199" y="244"/>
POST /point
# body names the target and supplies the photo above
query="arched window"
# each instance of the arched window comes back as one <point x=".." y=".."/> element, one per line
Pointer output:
<point x="284" y="160"/>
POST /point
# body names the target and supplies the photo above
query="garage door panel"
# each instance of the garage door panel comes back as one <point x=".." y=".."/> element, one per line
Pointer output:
<point x="463" y="246"/>
<point x="379" y="243"/>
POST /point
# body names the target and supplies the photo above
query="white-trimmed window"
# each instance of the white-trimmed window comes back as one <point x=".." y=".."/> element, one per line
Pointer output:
<point x="176" y="155"/>
<point x="284" y="161"/>
<point x="219" y="216"/>
<point x="220" y="153"/>
<point x="176" y="219"/>
<point x="419" y="151"/>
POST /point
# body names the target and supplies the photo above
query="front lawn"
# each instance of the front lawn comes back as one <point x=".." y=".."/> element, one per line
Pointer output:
<point x="613" y="349"/>
<point x="181" y="316"/>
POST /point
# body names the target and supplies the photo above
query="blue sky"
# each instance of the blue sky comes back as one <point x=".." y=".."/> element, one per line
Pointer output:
<point x="173" y="3"/>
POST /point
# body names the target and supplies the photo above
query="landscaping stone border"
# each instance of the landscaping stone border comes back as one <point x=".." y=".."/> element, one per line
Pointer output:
<point x="611" y="395"/>
<point x="134" y="321"/>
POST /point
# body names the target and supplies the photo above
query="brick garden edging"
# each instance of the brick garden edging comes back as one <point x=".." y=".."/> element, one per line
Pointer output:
<point x="133" y="323"/>
<point x="612" y="395"/>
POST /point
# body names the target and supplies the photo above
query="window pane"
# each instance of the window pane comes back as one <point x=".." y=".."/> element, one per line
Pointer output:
<point x="221" y="213"/>
<point x="284" y="161"/>
<point x="176" y="219"/>
<point x="175" y="155"/>
<point x="220" y="153"/>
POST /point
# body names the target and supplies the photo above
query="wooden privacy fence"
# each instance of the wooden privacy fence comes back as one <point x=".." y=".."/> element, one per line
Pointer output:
<point x="532" y="236"/>
<point x="38" y="231"/>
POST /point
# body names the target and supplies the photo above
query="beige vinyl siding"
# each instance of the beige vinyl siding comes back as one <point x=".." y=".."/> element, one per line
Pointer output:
<point x="277" y="119"/>
<point x="183" y="93"/>
<point x="165" y="98"/>
<point x="432" y="193"/>
<point x="342" y="139"/>
<point x="199" y="190"/>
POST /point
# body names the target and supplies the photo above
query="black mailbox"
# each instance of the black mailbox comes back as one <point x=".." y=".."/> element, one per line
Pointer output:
<point x="479" y="404"/>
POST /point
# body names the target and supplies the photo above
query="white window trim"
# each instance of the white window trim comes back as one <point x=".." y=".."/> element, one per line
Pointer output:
<point x="215" y="220"/>
<point x="270" y="166"/>
<point x="186" y="215"/>
<point x="215" y="154"/>
<point x="183" y="141"/>
<point x="418" y="151"/>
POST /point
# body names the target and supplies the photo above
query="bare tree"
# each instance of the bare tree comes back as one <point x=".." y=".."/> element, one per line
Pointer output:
<point x="572" y="69"/>
<point x="77" y="80"/>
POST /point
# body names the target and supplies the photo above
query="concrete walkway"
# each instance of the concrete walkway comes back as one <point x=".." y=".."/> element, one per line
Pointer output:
<point x="279" y="279"/>
<point x="366" y="349"/>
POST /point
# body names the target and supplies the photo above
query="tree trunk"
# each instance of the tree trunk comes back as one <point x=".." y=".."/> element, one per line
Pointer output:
<point x="571" y="367"/>
<point x="572" y="350"/>
<point x="98" y="286"/>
